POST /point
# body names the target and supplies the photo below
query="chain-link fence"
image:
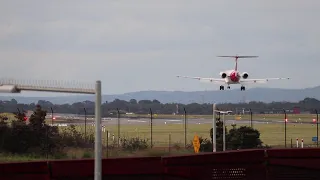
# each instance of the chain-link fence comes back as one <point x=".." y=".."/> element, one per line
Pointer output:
<point x="57" y="136"/>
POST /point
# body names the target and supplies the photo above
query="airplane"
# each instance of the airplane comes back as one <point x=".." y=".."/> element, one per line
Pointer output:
<point x="223" y="112"/>
<point x="229" y="77"/>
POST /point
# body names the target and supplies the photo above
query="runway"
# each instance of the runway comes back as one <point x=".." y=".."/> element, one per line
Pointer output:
<point x="146" y="121"/>
<point x="78" y="119"/>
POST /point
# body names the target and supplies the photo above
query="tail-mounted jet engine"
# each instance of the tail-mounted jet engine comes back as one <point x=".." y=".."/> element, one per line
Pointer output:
<point x="245" y="75"/>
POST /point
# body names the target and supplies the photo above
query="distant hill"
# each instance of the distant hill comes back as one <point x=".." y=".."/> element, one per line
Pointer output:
<point x="232" y="96"/>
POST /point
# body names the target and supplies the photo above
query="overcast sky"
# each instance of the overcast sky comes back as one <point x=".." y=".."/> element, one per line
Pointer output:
<point x="143" y="44"/>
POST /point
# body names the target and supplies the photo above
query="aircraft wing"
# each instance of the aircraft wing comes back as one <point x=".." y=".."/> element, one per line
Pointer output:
<point x="203" y="79"/>
<point x="253" y="81"/>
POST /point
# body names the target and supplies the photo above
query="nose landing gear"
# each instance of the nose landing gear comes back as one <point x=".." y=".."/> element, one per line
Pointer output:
<point x="243" y="88"/>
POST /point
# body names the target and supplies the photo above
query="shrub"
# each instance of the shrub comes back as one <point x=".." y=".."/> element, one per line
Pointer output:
<point x="37" y="137"/>
<point x="205" y="145"/>
<point x="237" y="138"/>
<point x="244" y="138"/>
<point x="87" y="154"/>
<point x="176" y="146"/>
<point x="16" y="139"/>
<point x="133" y="144"/>
<point x="70" y="137"/>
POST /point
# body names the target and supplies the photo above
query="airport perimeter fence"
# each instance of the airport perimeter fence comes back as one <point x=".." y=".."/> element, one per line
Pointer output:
<point x="134" y="136"/>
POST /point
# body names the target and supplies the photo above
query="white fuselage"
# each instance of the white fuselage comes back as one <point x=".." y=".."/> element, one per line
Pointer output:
<point x="233" y="76"/>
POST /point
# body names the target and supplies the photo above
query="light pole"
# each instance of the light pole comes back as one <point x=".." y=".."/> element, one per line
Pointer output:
<point x="285" y="128"/>
<point x="224" y="128"/>
<point x="317" y="128"/>
<point x="16" y="86"/>
<point x="151" y="127"/>
<point x="214" y="129"/>
<point x="51" y="115"/>
<point x="224" y="133"/>
<point x="185" y="127"/>
<point x="251" y="118"/>
<point x="98" y="140"/>
<point x="118" y="116"/>
<point x="85" y="124"/>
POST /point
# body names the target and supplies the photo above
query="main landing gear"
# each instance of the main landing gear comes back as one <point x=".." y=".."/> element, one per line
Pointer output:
<point x="228" y="87"/>
<point x="222" y="87"/>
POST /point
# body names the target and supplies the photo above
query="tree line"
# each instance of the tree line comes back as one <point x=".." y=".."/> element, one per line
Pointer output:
<point x="144" y="106"/>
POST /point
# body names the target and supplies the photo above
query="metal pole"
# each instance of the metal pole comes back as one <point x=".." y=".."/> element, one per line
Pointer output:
<point x="18" y="115"/>
<point x="285" y="128"/>
<point x="47" y="144"/>
<point x="118" y="115"/>
<point x="224" y="134"/>
<point x="250" y="118"/>
<point x="169" y="143"/>
<point x="185" y="127"/>
<point x="151" y="127"/>
<point x="98" y="141"/>
<point x="214" y="130"/>
<point x="317" y="128"/>
<point x="85" y="124"/>
<point x="107" y="144"/>
<point x="51" y="115"/>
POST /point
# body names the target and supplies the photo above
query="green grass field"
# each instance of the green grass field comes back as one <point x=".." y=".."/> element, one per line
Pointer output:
<point x="271" y="134"/>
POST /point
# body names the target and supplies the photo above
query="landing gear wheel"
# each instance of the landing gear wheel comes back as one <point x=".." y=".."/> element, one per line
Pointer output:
<point x="221" y="87"/>
<point x="228" y="87"/>
<point x="243" y="88"/>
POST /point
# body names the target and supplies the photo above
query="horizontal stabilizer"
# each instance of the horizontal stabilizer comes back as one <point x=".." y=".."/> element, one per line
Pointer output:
<point x="240" y="56"/>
